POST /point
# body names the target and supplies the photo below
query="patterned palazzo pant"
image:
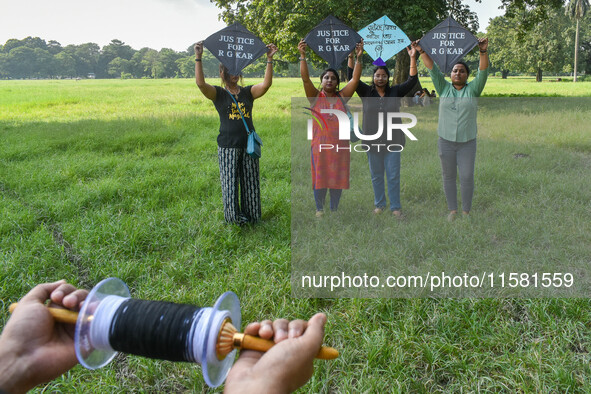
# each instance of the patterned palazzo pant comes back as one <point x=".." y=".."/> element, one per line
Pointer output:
<point x="241" y="191"/>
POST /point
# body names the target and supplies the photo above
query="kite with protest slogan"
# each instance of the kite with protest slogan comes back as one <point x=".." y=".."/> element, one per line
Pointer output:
<point x="382" y="39"/>
<point x="235" y="47"/>
<point x="447" y="43"/>
<point x="332" y="40"/>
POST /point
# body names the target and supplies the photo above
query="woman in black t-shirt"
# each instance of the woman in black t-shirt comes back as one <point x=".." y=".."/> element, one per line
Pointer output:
<point x="239" y="172"/>
<point x="384" y="155"/>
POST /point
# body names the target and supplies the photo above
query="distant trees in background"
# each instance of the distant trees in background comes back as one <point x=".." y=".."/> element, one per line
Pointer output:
<point x="534" y="36"/>
<point x="577" y="9"/>
<point x="33" y="57"/>
<point x="546" y="47"/>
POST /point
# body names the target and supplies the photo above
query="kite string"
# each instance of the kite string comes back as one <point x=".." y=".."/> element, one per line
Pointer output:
<point x="153" y="329"/>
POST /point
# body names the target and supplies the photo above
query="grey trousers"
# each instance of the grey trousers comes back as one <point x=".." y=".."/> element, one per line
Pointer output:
<point x="461" y="156"/>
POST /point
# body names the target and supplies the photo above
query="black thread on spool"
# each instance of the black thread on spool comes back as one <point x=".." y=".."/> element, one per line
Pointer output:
<point x="153" y="329"/>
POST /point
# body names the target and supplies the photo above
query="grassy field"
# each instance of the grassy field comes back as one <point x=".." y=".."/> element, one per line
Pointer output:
<point x="527" y="86"/>
<point x="119" y="178"/>
<point x="529" y="164"/>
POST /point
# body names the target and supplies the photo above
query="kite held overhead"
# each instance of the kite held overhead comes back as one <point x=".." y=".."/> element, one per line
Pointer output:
<point x="332" y="40"/>
<point x="235" y="47"/>
<point x="383" y="39"/>
<point x="447" y="43"/>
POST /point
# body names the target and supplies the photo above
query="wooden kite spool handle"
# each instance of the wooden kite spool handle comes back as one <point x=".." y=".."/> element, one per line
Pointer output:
<point x="60" y="315"/>
<point x="263" y="345"/>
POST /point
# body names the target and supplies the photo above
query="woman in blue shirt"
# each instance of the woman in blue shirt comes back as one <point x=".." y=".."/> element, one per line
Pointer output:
<point x="457" y="125"/>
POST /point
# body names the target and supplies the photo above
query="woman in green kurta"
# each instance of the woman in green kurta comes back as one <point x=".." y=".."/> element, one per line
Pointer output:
<point x="457" y="125"/>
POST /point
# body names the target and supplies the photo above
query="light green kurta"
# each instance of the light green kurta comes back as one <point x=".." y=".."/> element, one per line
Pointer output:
<point x="457" y="108"/>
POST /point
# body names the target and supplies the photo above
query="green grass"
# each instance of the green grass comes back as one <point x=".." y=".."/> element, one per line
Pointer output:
<point x="528" y="177"/>
<point x="119" y="178"/>
<point x="528" y="87"/>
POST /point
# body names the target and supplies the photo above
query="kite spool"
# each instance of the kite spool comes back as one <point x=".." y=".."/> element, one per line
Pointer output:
<point x="110" y="321"/>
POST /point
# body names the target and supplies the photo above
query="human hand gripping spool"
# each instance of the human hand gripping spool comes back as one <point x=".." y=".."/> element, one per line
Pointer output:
<point x="110" y="321"/>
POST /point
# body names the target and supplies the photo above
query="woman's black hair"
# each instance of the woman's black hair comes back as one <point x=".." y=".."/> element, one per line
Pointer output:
<point x="225" y="75"/>
<point x="465" y="65"/>
<point x="375" y="70"/>
<point x="335" y="72"/>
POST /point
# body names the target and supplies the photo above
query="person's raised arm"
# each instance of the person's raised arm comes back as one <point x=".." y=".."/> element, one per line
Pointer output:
<point x="34" y="349"/>
<point x="287" y="365"/>
<point x="427" y="61"/>
<point x="363" y="89"/>
<point x="477" y="84"/>
<point x="412" y="53"/>
<point x="309" y="87"/>
<point x="483" y="49"/>
<point x="405" y="87"/>
<point x="350" y="66"/>
<point x="207" y="90"/>
<point x="436" y="75"/>
<point x="261" y="88"/>
<point x="351" y="86"/>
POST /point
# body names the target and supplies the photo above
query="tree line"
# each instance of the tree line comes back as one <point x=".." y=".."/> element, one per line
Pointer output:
<point x="533" y="36"/>
<point x="33" y="57"/>
<point x="549" y="46"/>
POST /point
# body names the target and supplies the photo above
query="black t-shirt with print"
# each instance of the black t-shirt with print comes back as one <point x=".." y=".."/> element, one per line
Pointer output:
<point x="232" y="131"/>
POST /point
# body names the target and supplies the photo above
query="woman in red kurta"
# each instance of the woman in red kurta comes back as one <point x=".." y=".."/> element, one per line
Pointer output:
<point x="330" y="167"/>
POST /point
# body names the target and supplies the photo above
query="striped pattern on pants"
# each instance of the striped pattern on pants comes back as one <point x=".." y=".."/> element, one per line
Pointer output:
<point x="241" y="192"/>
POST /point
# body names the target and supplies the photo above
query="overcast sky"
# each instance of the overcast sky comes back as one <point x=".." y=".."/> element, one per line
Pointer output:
<point x="486" y="10"/>
<point x="156" y="24"/>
